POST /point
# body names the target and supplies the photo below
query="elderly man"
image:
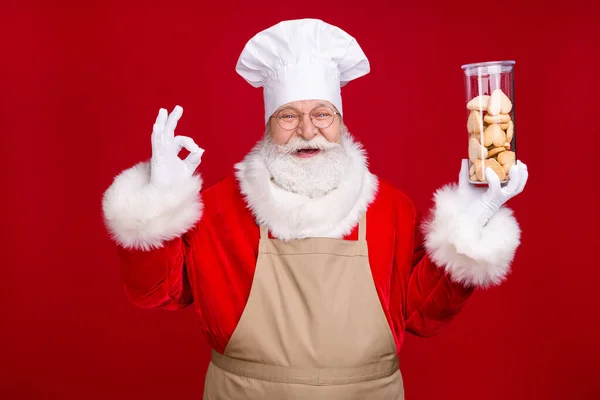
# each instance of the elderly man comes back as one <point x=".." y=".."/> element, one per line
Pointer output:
<point x="305" y="269"/>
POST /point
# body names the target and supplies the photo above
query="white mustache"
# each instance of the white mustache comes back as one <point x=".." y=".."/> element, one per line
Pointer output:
<point x="296" y="143"/>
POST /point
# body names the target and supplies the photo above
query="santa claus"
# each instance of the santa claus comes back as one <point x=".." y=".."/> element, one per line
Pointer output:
<point x="305" y="269"/>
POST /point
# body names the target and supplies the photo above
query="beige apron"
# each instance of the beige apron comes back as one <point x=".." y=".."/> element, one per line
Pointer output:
<point x="313" y="328"/>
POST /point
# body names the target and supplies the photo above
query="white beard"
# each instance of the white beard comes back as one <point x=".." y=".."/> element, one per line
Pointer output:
<point x="314" y="176"/>
<point x="290" y="215"/>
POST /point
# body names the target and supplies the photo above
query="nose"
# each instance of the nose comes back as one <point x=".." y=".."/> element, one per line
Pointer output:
<point x="306" y="129"/>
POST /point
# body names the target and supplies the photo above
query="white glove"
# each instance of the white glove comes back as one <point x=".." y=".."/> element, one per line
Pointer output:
<point x="166" y="168"/>
<point x="495" y="196"/>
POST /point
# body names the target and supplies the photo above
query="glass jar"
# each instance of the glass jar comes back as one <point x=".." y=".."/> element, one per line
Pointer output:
<point x="490" y="111"/>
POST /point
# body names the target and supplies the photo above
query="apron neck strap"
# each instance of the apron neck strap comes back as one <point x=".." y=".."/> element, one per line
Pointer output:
<point x="264" y="232"/>
<point x="362" y="228"/>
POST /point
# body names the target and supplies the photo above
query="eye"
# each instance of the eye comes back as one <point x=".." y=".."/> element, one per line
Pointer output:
<point x="322" y="113"/>
<point x="287" y="115"/>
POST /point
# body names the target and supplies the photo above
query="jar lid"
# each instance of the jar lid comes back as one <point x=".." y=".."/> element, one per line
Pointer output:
<point x="488" y="67"/>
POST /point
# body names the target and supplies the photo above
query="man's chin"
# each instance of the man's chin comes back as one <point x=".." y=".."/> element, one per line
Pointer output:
<point x="311" y="172"/>
<point x="312" y="176"/>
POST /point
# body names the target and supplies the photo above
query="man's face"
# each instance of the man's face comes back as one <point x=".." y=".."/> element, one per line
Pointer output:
<point x="307" y="120"/>
<point x="307" y="158"/>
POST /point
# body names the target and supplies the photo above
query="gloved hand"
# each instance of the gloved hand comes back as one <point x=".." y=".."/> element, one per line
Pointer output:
<point x="495" y="196"/>
<point x="166" y="168"/>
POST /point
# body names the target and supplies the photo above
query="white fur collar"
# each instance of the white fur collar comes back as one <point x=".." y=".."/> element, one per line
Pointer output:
<point x="292" y="216"/>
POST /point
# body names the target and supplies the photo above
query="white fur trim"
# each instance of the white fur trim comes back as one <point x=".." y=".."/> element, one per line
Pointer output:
<point x="293" y="216"/>
<point x="472" y="255"/>
<point x="141" y="216"/>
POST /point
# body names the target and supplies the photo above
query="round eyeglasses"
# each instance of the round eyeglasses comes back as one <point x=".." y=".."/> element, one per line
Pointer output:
<point x="289" y="118"/>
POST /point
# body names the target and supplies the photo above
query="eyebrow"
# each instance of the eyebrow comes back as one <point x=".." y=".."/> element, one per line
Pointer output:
<point x="316" y="105"/>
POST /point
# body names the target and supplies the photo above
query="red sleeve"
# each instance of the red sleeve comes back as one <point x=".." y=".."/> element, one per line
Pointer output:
<point x="151" y="225"/>
<point x="432" y="298"/>
<point x="156" y="278"/>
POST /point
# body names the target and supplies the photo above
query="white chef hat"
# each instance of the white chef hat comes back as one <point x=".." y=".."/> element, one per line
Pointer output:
<point x="300" y="60"/>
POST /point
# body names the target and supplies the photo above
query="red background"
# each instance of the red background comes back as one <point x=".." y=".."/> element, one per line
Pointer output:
<point x="81" y="83"/>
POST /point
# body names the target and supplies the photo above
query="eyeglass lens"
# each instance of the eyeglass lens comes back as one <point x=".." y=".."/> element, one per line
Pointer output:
<point x="321" y="117"/>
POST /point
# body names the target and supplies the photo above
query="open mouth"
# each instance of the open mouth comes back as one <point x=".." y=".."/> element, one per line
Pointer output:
<point x="307" y="152"/>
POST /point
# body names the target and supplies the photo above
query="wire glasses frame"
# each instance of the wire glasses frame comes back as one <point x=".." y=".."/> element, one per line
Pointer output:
<point x="321" y="117"/>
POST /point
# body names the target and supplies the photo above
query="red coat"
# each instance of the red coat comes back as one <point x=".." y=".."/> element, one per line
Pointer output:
<point x="212" y="267"/>
<point x="422" y="281"/>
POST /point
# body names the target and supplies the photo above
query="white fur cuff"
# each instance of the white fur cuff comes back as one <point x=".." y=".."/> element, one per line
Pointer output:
<point x="141" y="216"/>
<point x="472" y="255"/>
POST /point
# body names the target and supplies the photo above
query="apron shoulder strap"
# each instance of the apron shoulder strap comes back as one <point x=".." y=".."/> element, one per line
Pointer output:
<point x="264" y="232"/>
<point x="362" y="228"/>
